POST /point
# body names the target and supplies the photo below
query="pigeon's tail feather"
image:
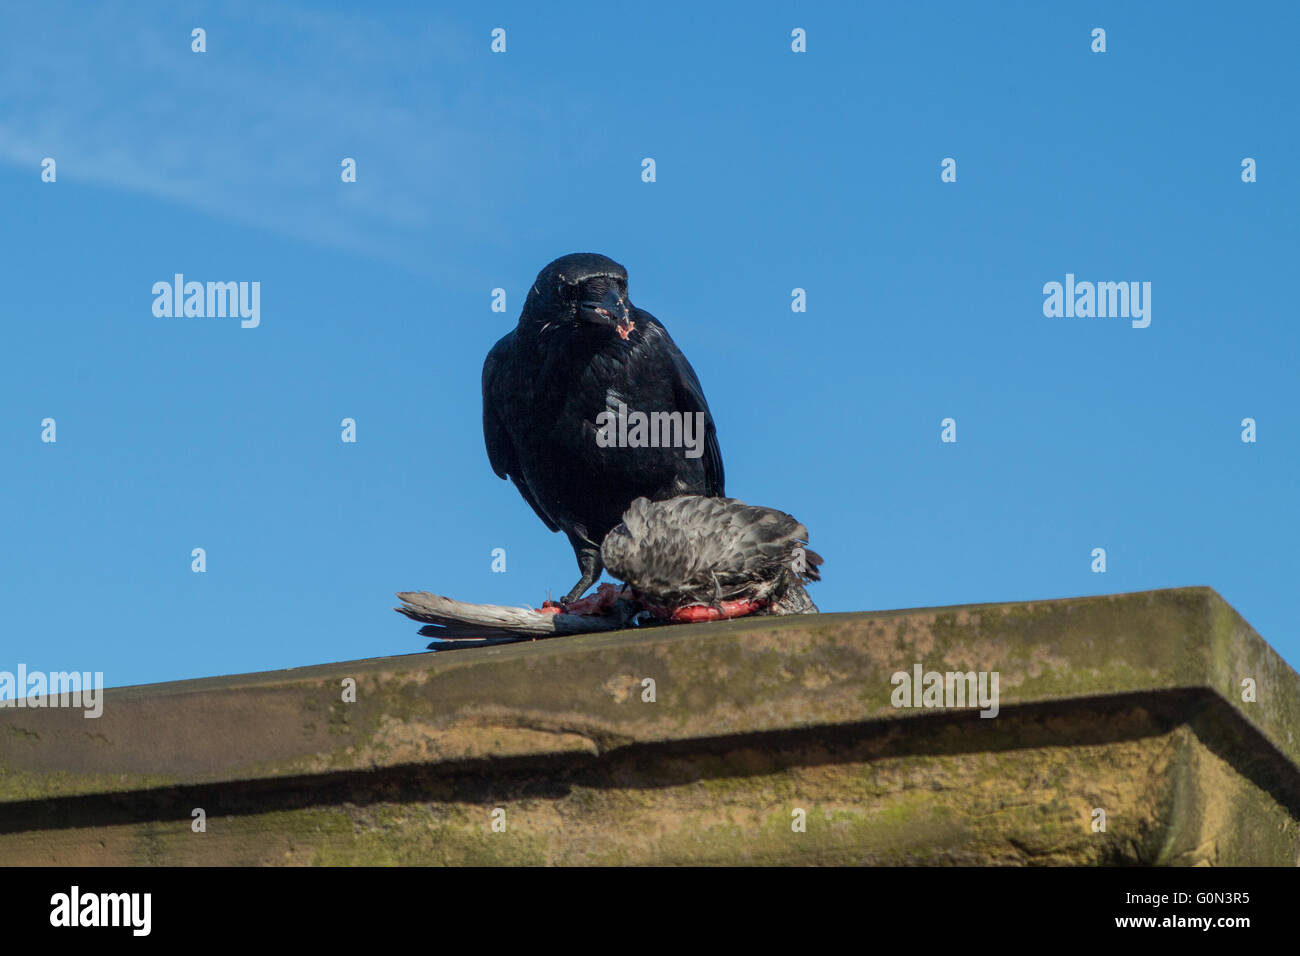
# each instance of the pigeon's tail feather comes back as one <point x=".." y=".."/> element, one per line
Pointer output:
<point x="812" y="561"/>
<point x="452" y="620"/>
<point x="794" y="600"/>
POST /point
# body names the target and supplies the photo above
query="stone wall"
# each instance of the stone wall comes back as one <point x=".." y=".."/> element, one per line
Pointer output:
<point x="1129" y="704"/>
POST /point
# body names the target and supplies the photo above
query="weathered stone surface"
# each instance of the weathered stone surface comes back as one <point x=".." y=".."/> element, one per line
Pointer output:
<point x="1129" y="703"/>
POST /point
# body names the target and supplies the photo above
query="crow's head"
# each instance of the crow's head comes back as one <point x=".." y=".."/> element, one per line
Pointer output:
<point x="584" y="289"/>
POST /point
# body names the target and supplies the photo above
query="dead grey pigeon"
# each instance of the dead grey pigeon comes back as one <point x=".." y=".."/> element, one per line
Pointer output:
<point x="687" y="559"/>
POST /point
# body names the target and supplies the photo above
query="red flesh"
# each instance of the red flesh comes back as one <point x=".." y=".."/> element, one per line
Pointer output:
<point x="602" y="601"/>
<point x="607" y="595"/>
<point x="693" y="613"/>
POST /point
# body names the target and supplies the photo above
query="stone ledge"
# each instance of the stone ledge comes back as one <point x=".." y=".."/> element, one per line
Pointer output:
<point x="1130" y="703"/>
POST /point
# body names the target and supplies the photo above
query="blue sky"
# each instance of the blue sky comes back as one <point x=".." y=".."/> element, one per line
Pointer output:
<point x="775" y="170"/>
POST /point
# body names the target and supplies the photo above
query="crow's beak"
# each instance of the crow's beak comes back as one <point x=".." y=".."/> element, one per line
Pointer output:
<point x="610" y="309"/>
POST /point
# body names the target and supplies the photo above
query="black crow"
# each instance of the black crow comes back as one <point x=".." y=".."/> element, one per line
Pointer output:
<point x="581" y="350"/>
<point x="695" y="558"/>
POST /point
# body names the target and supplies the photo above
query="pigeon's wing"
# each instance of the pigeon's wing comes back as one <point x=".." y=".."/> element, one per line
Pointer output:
<point x="692" y="548"/>
<point x="696" y="550"/>
<point x="690" y="398"/>
<point x="500" y="448"/>
<point x="744" y="542"/>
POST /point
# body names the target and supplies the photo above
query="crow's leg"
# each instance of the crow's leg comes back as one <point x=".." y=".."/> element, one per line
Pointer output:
<point x="589" y="564"/>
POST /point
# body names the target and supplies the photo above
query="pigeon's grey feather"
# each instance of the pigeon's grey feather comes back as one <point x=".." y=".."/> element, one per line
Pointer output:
<point x="694" y="550"/>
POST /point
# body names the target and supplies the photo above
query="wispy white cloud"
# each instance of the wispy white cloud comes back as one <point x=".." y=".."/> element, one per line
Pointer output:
<point x="254" y="129"/>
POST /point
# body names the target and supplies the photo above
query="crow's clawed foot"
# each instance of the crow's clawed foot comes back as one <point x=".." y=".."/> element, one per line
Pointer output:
<point x="602" y="602"/>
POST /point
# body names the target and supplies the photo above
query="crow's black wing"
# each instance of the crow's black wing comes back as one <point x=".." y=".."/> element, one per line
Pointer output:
<point x="500" y="448"/>
<point x="690" y="398"/>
